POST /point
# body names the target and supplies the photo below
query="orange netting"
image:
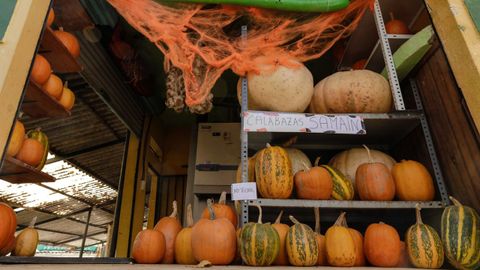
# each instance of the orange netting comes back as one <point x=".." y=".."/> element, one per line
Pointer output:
<point x="204" y="40"/>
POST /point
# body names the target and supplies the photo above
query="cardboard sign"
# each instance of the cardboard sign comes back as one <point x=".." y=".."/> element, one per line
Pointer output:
<point x="296" y="122"/>
<point x="6" y="12"/>
<point x="244" y="191"/>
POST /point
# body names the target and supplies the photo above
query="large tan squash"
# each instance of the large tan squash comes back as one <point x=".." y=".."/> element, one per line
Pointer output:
<point x="285" y="89"/>
<point x="299" y="160"/>
<point x="356" y="91"/>
<point x="348" y="161"/>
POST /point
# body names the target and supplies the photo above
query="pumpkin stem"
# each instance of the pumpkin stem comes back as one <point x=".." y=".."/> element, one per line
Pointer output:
<point x="368" y="153"/>
<point x="340" y="219"/>
<point x="259" y="213"/>
<point x="32" y="223"/>
<point x="269" y="145"/>
<point x="65" y="85"/>
<point x="455" y="201"/>
<point x="417" y="214"/>
<point x="175" y="210"/>
<point x="210" y="209"/>
<point x="223" y="198"/>
<point x="316" y="211"/>
<point x="391" y="16"/>
<point x="317" y="161"/>
<point x="294" y="220"/>
<point x="189" y="215"/>
<point x="277" y="221"/>
<point x="290" y="141"/>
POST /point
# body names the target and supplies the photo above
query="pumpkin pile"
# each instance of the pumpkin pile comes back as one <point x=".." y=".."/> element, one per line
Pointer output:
<point x="30" y="148"/>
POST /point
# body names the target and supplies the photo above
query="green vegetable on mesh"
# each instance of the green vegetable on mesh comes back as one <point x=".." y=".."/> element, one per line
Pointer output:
<point x="287" y="5"/>
<point x="411" y="52"/>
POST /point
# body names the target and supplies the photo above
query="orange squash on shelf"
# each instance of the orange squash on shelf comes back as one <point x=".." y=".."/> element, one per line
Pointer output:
<point x="214" y="239"/>
<point x="374" y="181"/>
<point x="313" y="183"/>
<point x="395" y="26"/>
<point x="69" y="41"/>
<point x="413" y="182"/>
<point x="51" y="17"/>
<point x="17" y="138"/>
<point x="41" y="70"/>
<point x="222" y="210"/>
<point x="54" y="86"/>
<point x="27" y="241"/>
<point x="358" y="239"/>
<point x="340" y="244"/>
<point x="322" y="249"/>
<point x="31" y="152"/>
<point x="67" y="100"/>
<point x="404" y="261"/>
<point x="360" y="64"/>
<point x="149" y="247"/>
<point x="183" y="242"/>
<point x="382" y="245"/>
<point x="282" y="230"/>
<point x="169" y="227"/>
<point x="9" y="224"/>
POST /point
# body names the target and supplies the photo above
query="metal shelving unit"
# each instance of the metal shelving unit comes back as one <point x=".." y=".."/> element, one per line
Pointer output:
<point x="383" y="130"/>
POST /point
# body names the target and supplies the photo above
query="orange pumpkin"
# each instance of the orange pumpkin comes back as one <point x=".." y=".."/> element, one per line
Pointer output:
<point x="339" y="244"/>
<point x="382" y="245"/>
<point x="16" y="139"/>
<point x="214" y="239"/>
<point x="148" y="247"/>
<point x="69" y="41"/>
<point x="360" y="64"/>
<point x="183" y="242"/>
<point x="51" y="17"/>
<point x="282" y="230"/>
<point x="169" y="227"/>
<point x="67" y="100"/>
<point x="322" y="249"/>
<point x="222" y="210"/>
<point x="404" y="261"/>
<point x="358" y="239"/>
<point x="413" y="182"/>
<point x="31" y="152"/>
<point x="9" y="247"/>
<point x="314" y="183"/>
<point x="374" y="181"/>
<point x="9" y="224"/>
<point x="54" y="86"/>
<point x="41" y="70"/>
<point x="396" y="26"/>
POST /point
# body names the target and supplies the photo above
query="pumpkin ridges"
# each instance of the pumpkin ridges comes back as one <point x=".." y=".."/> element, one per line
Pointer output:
<point x="282" y="230"/>
<point x="302" y="246"/>
<point x="273" y="173"/>
<point x="169" y="227"/>
<point x="342" y="187"/>
<point x="148" y="247"/>
<point x="340" y="244"/>
<point x="382" y="245"/>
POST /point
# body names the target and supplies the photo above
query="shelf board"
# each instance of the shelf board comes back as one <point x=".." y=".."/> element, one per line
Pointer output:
<point x="57" y="55"/>
<point x="37" y="103"/>
<point x="62" y="260"/>
<point x="17" y="172"/>
<point x="345" y="204"/>
<point x="383" y="131"/>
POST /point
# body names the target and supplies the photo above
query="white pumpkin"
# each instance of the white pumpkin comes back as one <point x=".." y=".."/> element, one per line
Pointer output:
<point x="284" y="89"/>
<point x="299" y="160"/>
<point x="348" y="161"/>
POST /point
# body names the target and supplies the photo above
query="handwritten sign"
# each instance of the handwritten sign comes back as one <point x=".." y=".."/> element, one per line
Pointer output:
<point x="244" y="191"/>
<point x="296" y="122"/>
<point x="6" y="12"/>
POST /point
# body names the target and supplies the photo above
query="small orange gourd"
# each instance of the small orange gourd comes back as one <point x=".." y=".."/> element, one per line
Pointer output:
<point x="169" y="227"/>
<point x="314" y="183"/>
<point x="31" y="152"/>
<point x="322" y="249"/>
<point x="374" y="181"/>
<point x="148" y="247"/>
<point x="183" y="242"/>
<point x="397" y="27"/>
<point x="413" y="182"/>
<point x="17" y="138"/>
<point x="51" y="17"/>
<point x="67" y="100"/>
<point x="69" y="41"/>
<point x="382" y="245"/>
<point x="358" y="239"/>
<point x="41" y="70"/>
<point x="340" y="244"/>
<point x="282" y="230"/>
<point x="222" y="210"/>
<point x="54" y="86"/>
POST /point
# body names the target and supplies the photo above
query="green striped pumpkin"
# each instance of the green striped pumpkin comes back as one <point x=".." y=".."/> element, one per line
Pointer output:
<point x="342" y="187"/>
<point x="423" y="245"/>
<point x="461" y="235"/>
<point x="302" y="247"/>
<point x="259" y="243"/>
<point x="273" y="173"/>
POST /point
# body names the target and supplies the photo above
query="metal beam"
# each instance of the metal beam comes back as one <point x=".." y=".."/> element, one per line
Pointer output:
<point x="78" y="238"/>
<point x="84" y="151"/>
<point x="85" y="233"/>
<point x="61" y="232"/>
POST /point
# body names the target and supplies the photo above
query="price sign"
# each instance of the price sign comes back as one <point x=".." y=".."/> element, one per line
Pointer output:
<point x="296" y="122"/>
<point x="244" y="191"/>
